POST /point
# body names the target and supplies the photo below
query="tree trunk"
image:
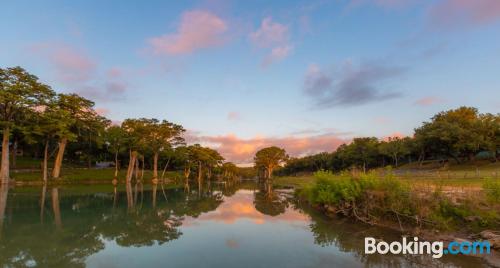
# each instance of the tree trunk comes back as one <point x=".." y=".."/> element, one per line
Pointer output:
<point x="131" y="165"/>
<point x="45" y="161"/>
<point x="14" y="153"/>
<point x="56" y="172"/>
<point x="4" y="191"/>
<point x="155" y="165"/>
<point x="142" y="170"/>
<point x="42" y="203"/>
<point x="116" y="164"/>
<point x="165" y="169"/>
<point x="4" y="170"/>
<point x="56" y="208"/>
<point x="130" y="201"/>
<point x="155" y="186"/>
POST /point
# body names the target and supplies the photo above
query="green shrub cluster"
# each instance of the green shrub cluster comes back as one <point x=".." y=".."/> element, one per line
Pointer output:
<point x="376" y="196"/>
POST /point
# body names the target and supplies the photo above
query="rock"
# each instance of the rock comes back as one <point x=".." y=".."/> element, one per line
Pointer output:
<point x="495" y="242"/>
<point x="487" y="234"/>
<point x="493" y="259"/>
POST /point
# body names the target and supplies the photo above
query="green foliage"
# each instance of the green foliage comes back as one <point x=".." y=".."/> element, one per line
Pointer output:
<point x="492" y="190"/>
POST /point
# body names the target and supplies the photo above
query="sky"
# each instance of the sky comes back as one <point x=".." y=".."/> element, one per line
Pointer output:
<point x="241" y="75"/>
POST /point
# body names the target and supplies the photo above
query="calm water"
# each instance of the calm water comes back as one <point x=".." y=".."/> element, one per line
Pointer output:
<point x="241" y="225"/>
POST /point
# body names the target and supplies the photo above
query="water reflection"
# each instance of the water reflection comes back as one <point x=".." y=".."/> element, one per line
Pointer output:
<point x="223" y="223"/>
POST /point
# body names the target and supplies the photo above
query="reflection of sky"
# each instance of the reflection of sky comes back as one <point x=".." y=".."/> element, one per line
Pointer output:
<point x="240" y="207"/>
<point x="234" y="235"/>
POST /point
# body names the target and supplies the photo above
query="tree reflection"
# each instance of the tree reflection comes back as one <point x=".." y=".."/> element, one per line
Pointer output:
<point x="268" y="202"/>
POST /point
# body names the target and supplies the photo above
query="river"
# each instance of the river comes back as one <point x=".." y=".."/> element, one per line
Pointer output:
<point x="220" y="225"/>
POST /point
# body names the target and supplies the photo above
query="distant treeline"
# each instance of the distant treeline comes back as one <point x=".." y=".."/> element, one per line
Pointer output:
<point x="459" y="135"/>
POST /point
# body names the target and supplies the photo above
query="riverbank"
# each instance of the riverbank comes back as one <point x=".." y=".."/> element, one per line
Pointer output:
<point x="78" y="175"/>
<point x="434" y="211"/>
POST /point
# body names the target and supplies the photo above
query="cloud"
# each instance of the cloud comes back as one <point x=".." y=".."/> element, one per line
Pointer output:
<point x="351" y="85"/>
<point x="233" y="116"/>
<point x="102" y="111"/>
<point x="198" y="29"/>
<point x="386" y="4"/>
<point x="459" y="13"/>
<point x="72" y="65"/>
<point x="393" y="135"/>
<point x="427" y="101"/>
<point x="79" y="72"/>
<point x="274" y="36"/>
<point x="277" y="54"/>
<point x="242" y="151"/>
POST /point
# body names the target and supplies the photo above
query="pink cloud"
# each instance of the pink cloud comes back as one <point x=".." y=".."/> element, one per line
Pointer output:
<point x="71" y="64"/>
<point x="198" y="29"/>
<point x="233" y="116"/>
<point x="396" y="134"/>
<point x="386" y="4"/>
<point x="270" y="34"/>
<point x="274" y="36"/>
<point x="114" y="72"/>
<point x="456" y="13"/>
<point x="241" y="151"/>
<point x="277" y="54"/>
<point x="427" y="101"/>
<point x="102" y="111"/>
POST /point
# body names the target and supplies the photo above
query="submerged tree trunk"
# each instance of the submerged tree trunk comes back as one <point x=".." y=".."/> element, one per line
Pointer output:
<point x="45" y="162"/>
<point x="56" y="208"/>
<point x="42" y="202"/>
<point x="131" y="165"/>
<point x="155" y="187"/>
<point x="155" y="165"/>
<point x="130" y="200"/>
<point x="116" y="164"/>
<point x="14" y="153"/>
<point x="4" y="191"/>
<point x="56" y="172"/>
<point x="4" y="169"/>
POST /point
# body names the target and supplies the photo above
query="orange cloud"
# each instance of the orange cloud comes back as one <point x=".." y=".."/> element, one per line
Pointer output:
<point x="241" y="151"/>
<point x="198" y="29"/>
<point x="240" y="206"/>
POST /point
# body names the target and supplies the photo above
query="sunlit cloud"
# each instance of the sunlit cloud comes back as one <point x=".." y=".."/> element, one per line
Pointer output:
<point x="198" y="29"/>
<point x="351" y="85"/>
<point x="72" y="65"/>
<point x="428" y="101"/>
<point x="241" y="207"/>
<point x="459" y="13"/>
<point x="102" y="111"/>
<point x="274" y="36"/>
<point x="233" y="116"/>
<point x="242" y="151"/>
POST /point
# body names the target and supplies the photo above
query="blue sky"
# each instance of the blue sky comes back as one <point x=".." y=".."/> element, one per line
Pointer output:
<point x="239" y="75"/>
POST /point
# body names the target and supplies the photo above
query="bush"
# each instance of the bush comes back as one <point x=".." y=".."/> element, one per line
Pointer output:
<point x="492" y="190"/>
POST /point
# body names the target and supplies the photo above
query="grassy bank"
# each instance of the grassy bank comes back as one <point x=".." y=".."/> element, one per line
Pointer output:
<point x="85" y="175"/>
<point x="377" y="199"/>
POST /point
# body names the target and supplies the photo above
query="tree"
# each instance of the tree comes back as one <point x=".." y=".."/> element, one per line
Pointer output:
<point x="362" y="151"/>
<point x="135" y="131"/>
<point x="455" y="133"/>
<point x="394" y="148"/>
<point x="82" y="118"/>
<point x="159" y="137"/>
<point x="270" y="158"/>
<point x="19" y="91"/>
<point x="115" y="141"/>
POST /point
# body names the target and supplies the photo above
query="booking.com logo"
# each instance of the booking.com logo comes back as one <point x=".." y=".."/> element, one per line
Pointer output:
<point x="415" y="247"/>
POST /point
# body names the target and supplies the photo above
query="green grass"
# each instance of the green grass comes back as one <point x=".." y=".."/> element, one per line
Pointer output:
<point x="86" y="175"/>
